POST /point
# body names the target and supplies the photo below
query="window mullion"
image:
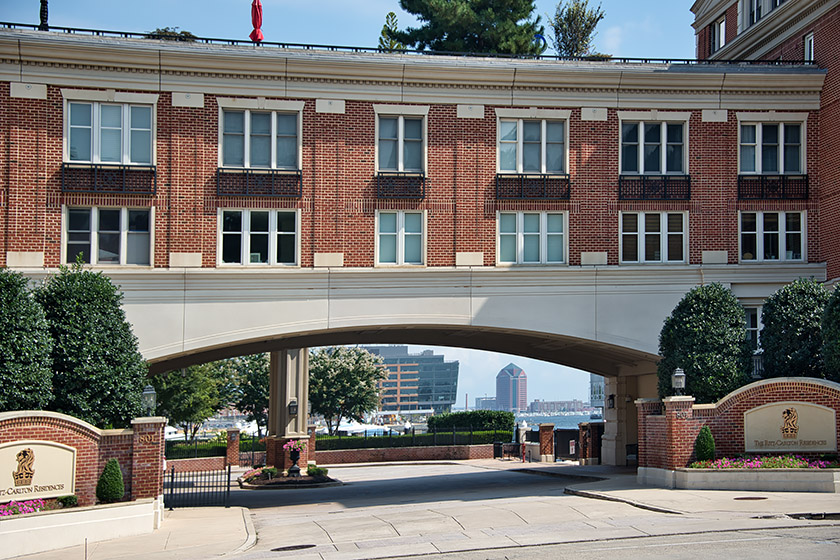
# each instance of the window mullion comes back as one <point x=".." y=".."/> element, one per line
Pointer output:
<point x="94" y="235"/>
<point x="519" y="149"/>
<point x="543" y="231"/>
<point x="401" y="235"/>
<point x="663" y="148"/>
<point x="759" y="234"/>
<point x="245" y="245"/>
<point x="272" y="237"/>
<point x="542" y="145"/>
<point x="640" y="235"/>
<point x="640" y="139"/>
<point x="400" y="143"/>
<point x="246" y="130"/>
<point x="123" y="235"/>
<point x="273" y="146"/>
<point x="95" y="132"/>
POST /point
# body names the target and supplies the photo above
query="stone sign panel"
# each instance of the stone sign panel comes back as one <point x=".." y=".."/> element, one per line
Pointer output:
<point x="790" y="427"/>
<point x="36" y="469"/>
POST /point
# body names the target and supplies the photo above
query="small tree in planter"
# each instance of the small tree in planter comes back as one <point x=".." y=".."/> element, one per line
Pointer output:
<point x="704" y="445"/>
<point x="110" y="487"/>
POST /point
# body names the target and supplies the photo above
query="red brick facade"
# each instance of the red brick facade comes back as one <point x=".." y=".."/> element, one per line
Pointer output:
<point x="438" y="453"/>
<point x="668" y="430"/>
<point x="139" y="450"/>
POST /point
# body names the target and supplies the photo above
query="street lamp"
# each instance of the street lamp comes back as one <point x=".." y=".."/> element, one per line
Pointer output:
<point x="147" y="400"/>
<point x="678" y="381"/>
<point x="293" y="408"/>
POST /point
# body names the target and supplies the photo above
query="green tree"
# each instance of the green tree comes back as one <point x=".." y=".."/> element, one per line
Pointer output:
<point x="98" y="372"/>
<point x="25" y="347"/>
<point x="704" y="445"/>
<point x="831" y="336"/>
<point x="253" y="382"/>
<point x="189" y="396"/>
<point x="706" y="337"/>
<point x="573" y="27"/>
<point x="343" y="383"/>
<point x="477" y="26"/>
<point x="110" y="486"/>
<point x="791" y="337"/>
<point x="171" y="34"/>
<point x="386" y="42"/>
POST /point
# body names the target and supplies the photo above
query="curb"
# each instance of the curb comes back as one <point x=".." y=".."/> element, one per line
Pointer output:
<point x="251" y="539"/>
<point x="608" y="498"/>
<point x="335" y="482"/>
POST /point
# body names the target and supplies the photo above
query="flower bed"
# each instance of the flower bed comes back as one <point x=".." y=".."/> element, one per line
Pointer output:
<point x="17" y="508"/>
<point x="768" y="462"/>
<point x="266" y="477"/>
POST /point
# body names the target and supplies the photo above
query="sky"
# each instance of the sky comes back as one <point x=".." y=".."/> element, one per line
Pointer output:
<point x="640" y="29"/>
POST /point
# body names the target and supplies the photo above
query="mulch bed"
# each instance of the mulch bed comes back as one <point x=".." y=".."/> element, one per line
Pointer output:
<point x="291" y="481"/>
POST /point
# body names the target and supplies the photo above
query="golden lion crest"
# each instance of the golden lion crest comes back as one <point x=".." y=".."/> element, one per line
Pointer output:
<point x="790" y="428"/>
<point x="25" y="469"/>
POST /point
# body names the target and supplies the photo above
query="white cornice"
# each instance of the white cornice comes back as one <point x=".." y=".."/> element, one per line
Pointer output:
<point x="706" y="11"/>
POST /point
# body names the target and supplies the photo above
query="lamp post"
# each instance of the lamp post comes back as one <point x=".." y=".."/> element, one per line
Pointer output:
<point x="678" y="381"/>
<point x="148" y="400"/>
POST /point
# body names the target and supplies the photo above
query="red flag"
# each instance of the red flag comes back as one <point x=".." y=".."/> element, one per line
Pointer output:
<point x="256" y="19"/>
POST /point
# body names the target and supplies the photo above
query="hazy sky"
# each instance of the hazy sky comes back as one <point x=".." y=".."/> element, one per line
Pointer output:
<point x="660" y="29"/>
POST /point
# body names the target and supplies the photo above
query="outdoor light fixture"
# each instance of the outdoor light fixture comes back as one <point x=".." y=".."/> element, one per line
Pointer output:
<point x="611" y="401"/>
<point x="293" y="408"/>
<point x="678" y="381"/>
<point x="148" y="400"/>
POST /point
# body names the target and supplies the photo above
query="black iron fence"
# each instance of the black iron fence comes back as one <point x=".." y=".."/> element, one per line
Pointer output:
<point x="392" y="438"/>
<point x="251" y="450"/>
<point x="194" y="489"/>
<point x="178" y="449"/>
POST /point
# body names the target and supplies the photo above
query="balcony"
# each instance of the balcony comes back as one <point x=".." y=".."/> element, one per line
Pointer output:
<point x="654" y="187"/>
<point x="258" y="182"/>
<point x="100" y="178"/>
<point x="772" y="187"/>
<point x="525" y="186"/>
<point x="394" y="184"/>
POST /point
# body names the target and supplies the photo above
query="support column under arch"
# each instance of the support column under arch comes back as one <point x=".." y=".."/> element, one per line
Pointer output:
<point x="288" y="384"/>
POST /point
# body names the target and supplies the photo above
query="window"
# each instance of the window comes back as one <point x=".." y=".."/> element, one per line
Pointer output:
<point x="399" y="237"/>
<point x="809" y="47"/>
<point x="653" y="237"/>
<point x="772" y="236"/>
<point x="260" y="139"/>
<point x="109" y="236"/>
<point x="532" y="146"/>
<point x="112" y="133"/>
<point x="532" y="238"/>
<point x="258" y="237"/>
<point x="401" y="144"/>
<point x="753" y="317"/>
<point x="652" y="147"/>
<point x="717" y="35"/>
<point x="771" y="148"/>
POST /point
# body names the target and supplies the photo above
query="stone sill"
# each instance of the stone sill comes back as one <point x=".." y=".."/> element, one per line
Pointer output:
<point x="764" y="480"/>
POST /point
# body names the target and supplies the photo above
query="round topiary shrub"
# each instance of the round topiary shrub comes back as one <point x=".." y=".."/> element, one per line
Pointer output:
<point x="110" y="487"/>
<point x="704" y="445"/>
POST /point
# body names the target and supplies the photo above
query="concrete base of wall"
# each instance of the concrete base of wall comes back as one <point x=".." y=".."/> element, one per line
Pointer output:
<point x="766" y="480"/>
<point x="39" y="532"/>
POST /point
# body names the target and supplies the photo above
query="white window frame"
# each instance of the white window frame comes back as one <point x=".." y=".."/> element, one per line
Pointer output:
<point x="96" y="99"/>
<point x="245" y="241"/>
<point x="757" y="329"/>
<point x="401" y="112"/>
<point x="759" y="120"/>
<point x="718" y="34"/>
<point x="808" y="47"/>
<point x="520" y="141"/>
<point x="653" y="117"/>
<point x="543" y="235"/>
<point x="663" y="233"/>
<point x="94" y="237"/>
<point x="760" y="236"/>
<point x="260" y="105"/>
<point x="400" y="235"/>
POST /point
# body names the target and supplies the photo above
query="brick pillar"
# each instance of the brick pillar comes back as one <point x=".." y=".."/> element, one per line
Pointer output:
<point x="645" y="408"/>
<point x="233" y="446"/>
<point x="147" y="462"/>
<point x="546" y="443"/>
<point x="310" y="449"/>
<point x="680" y="431"/>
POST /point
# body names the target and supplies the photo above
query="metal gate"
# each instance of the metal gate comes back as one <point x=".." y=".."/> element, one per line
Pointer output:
<point x="194" y="489"/>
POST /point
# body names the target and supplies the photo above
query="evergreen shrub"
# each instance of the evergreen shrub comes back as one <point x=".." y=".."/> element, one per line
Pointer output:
<point x="110" y="487"/>
<point x="704" y="445"/>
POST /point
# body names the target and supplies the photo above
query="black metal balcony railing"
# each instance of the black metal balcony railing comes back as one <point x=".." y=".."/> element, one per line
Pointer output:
<point x="258" y="182"/>
<point x="654" y="187"/>
<point x="524" y="186"/>
<point x="108" y="178"/>
<point x="392" y="184"/>
<point x="773" y="187"/>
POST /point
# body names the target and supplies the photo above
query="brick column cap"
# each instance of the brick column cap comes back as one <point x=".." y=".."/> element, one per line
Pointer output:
<point x="149" y="420"/>
<point x="678" y="399"/>
<point x="647" y="401"/>
<point x="546" y="425"/>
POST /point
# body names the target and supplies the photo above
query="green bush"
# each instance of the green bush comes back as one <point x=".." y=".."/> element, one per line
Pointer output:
<point x="312" y="470"/>
<point x="269" y="472"/>
<point x="704" y="445"/>
<point x="831" y="336"/>
<point x="475" y="419"/>
<point x="329" y="443"/>
<point x="68" y="501"/>
<point x="110" y="487"/>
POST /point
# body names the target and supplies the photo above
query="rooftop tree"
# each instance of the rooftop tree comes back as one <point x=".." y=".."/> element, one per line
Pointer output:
<point x="573" y="27"/>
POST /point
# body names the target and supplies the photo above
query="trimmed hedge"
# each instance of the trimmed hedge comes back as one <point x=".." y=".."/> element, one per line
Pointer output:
<point x="462" y="437"/>
<point x="477" y="419"/>
<point x="181" y="450"/>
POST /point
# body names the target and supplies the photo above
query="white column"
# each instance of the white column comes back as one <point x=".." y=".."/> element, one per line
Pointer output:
<point x="289" y="382"/>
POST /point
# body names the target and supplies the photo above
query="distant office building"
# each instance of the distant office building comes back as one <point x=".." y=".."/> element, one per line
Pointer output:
<point x="553" y="407"/>
<point x="485" y="403"/>
<point x="416" y="382"/>
<point x="512" y="389"/>
<point x="596" y="390"/>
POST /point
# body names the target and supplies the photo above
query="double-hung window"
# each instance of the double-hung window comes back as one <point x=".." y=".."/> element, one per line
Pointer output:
<point x="401" y="138"/>
<point x="653" y="237"/>
<point x="260" y="139"/>
<point x="258" y="237"/>
<point x="772" y="236"/>
<point x="753" y="318"/>
<point x="653" y="148"/>
<point x="532" y="146"/>
<point x="109" y="133"/>
<point x="773" y="148"/>
<point x="532" y="238"/>
<point x="717" y="35"/>
<point x="108" y="236"/>
<point x="399" y="237"/>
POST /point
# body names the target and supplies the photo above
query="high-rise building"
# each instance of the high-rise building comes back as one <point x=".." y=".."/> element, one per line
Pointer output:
<point x="416" y="382"/>
<point x="596" y="390"/>
<point x="512" y="389"/>
<point x="485" y="403"/>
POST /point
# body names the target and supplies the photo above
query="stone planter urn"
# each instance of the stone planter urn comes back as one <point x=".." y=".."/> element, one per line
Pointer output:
<point x="294" y="455"/>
